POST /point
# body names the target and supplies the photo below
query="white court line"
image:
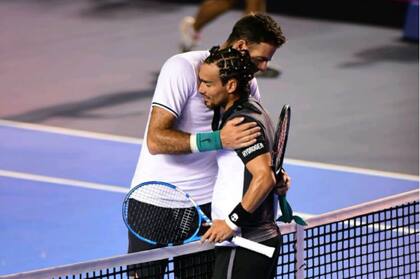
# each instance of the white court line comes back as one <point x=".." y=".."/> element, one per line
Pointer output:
<point x="132" y="140"/>
<point x="120" y="189"/>
<point x="63" y="181"/>
<point x="70" y="132"/>
<point x="325" y="166"/>
<point x="82" y="184"/>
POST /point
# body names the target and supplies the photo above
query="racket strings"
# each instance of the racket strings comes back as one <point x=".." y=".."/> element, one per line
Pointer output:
<point x="162" y="214"/>
<point x="187" y="222"/>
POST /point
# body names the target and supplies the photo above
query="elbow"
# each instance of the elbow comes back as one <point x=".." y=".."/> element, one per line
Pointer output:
<point x="152" y="145"/>
<point x="153" y="149"/>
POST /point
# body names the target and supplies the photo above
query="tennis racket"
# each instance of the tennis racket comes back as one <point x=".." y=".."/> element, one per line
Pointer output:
<point x="280" y="139"/>
<point x="279" y="149"/>
<point x="160" y="213"/>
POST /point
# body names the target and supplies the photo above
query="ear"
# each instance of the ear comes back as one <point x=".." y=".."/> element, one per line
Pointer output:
<point x="231" y="86"/>
<point x="240" y="45"/>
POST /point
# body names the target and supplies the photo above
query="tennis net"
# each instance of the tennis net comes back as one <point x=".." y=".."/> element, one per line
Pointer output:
<point x="378" y="239"/>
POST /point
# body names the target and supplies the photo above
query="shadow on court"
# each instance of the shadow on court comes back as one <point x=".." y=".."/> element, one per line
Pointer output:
<point x="85" y="108"/>
<point x="88" y="108"/>
<point x="407" y="53"/>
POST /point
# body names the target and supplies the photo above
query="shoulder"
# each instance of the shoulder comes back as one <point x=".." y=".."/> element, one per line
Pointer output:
<point x="181" y="70"/>
<point x="188" y="61"/>
<point x="251" y="110"/>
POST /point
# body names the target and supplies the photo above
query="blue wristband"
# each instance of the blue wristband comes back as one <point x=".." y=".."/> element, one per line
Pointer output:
<point x="208" y="141"/>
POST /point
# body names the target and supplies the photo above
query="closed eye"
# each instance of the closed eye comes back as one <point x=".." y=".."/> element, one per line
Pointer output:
<point x="260" y="59"/>
<point x="207" y="83"/>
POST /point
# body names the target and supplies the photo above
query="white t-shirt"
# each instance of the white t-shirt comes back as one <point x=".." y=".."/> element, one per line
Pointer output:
<point x="177" y="92"/>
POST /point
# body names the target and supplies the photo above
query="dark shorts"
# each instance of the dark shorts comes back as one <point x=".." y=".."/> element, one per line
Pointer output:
<point x="240" y="263"/>
<point x="194" y="266"/>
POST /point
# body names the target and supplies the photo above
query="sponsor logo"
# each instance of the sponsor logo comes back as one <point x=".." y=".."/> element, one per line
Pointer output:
<point x="234" y="217"/>
<point x="252" y="149"/>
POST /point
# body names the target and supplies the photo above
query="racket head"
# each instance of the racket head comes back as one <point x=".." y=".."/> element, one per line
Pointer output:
<point x="280" y="138"/>
<point x="160" y="213"/>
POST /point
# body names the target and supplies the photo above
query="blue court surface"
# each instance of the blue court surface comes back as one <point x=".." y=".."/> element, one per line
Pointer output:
<point x="61" y="193"/>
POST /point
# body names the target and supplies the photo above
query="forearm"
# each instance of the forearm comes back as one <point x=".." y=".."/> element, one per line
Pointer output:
<point x="262" y="182"/>
<point x="162" y="138"/>
<point x="260" y="186"/>
<point x="168" y="141"/>
<point x="258" y="190"/>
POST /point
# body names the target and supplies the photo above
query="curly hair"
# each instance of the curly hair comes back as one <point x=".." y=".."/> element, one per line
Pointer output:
<point x="257" y="28"/>
<point x="233" y="64"/>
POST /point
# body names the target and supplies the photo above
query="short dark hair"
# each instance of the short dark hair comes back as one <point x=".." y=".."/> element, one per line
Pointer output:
<point x="257" y="28"/>
<point x="233" y="64"/>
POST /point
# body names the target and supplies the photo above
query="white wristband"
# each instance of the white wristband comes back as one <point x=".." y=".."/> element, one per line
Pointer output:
<point x="193" y="143"/>
<point x="231" y="225"/>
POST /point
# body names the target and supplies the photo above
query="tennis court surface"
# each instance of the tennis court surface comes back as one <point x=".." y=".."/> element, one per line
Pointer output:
<point x="63" y="190"/>
<point x="92" y="66"/>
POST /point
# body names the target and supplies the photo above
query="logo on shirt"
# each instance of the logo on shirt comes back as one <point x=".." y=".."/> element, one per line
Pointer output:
<point x="252" y="149"/>
<point x="234" y="217"/>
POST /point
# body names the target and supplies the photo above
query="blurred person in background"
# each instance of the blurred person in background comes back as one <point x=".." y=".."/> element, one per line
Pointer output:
<point x="191" y="27"/>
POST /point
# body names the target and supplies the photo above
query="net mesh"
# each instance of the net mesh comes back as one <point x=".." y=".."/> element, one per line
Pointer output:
<point x="379" y="244"/>
<point x="382" y="244"/>
<point x="287" y="261"/>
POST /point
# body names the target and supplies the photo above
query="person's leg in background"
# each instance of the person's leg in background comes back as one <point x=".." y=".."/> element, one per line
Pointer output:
<point x="209" y="10"/>
<point x="191" y="26"/>
<point x="252" y="6"/>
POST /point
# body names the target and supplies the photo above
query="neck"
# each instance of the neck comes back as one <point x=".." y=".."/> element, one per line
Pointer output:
<point x="230" y="102"/>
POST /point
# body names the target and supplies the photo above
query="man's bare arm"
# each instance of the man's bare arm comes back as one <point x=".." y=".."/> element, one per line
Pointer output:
<point x="263" y="181"/>
<point x="163" y="138"/>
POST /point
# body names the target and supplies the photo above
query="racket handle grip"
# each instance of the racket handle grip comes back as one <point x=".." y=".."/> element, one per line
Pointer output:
<point x="253" y="246"/>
